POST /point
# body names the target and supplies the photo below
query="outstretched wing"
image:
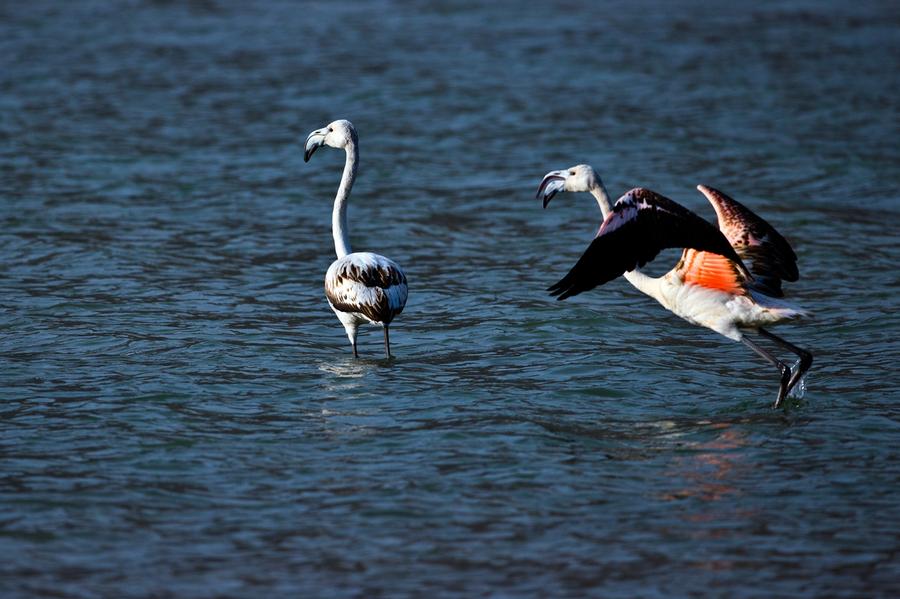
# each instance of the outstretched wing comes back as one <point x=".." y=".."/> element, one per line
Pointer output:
<point x="641" y="224"/>
<point x="768" y="254"/>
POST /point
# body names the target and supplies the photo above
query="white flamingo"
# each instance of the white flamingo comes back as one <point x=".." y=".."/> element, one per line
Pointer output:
<point x="361" y="287"/>
<point x="710" y="286"/>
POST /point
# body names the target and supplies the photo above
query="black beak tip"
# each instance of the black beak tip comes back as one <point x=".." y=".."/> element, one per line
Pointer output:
<point x="547" y="199"/>
<point x="306" y="155"/>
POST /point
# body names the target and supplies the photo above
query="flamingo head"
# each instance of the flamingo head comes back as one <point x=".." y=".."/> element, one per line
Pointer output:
<point x="337" y="134"/>
<point x="581" y="177"/>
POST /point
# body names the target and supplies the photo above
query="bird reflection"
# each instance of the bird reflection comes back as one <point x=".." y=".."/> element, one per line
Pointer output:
<point x="712" y="466"/>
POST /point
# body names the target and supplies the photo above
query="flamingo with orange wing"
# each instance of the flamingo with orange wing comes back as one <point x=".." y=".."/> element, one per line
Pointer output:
<point x="710" y="286"/>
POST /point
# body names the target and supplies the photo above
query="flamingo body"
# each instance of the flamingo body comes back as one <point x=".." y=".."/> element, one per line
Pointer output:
<point x="726" y="311"/>
<point x="363" y="287"/>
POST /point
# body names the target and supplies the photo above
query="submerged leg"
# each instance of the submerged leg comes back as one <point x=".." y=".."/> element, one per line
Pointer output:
<point x="387" y="342"/>
<point x="782" y="368"/>
<point x="803" y="363"/>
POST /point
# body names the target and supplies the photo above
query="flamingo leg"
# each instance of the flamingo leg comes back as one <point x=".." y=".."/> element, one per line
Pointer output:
<point x="782" y="368"/>
<point x="352" y="332"/>
<point x="803" y="363"/>
<point x="387" y="342"/>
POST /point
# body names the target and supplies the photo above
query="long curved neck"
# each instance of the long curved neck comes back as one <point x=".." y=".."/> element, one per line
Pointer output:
<point x="339" y="214"/>
<point x="644" y="283"/>
<point x="598" y="190"/>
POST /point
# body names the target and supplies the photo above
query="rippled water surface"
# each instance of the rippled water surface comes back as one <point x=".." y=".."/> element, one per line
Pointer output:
<point x="181" y="414"/>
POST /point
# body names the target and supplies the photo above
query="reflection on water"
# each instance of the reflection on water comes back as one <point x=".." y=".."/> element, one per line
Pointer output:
<point x="348" y="368"/>
<point x="709" y="468"/>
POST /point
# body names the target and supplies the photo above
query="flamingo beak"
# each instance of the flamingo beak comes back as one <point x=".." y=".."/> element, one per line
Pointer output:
<point x="553" y="183"/>
<point x="315" y="140"/>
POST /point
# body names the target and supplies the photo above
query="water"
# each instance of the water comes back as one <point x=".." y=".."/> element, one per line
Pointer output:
<point x="181" y="415"/>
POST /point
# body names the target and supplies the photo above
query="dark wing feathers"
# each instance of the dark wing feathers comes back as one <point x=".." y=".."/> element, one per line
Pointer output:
<point x="382" y="277"/>
<point x="379" y="275"/>
<point x="769" y="255"/>
<point x="641" y="224"/>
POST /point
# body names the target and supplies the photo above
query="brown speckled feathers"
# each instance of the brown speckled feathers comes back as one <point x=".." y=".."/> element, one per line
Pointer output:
<point x="766" y="252"/>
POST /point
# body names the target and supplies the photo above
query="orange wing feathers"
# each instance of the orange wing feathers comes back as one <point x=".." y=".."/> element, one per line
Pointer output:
<point x="711" y="271"/>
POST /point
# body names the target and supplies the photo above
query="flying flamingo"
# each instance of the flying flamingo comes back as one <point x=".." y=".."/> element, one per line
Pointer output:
<point x="361" y="287"/>
<point x="710" y="286"/>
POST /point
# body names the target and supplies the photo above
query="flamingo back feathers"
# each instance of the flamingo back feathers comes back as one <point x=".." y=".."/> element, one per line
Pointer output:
<point x="367" y="284"/>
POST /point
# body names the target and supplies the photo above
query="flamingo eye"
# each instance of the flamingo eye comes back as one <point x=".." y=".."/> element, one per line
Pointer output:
<point x="571" y="172"/>
<point x="330" y="129"/>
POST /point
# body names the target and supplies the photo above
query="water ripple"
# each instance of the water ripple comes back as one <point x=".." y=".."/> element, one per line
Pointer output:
<point x="179" y="400"/>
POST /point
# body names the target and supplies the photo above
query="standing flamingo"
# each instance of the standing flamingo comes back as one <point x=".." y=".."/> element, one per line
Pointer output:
<point x="710" y="286"/>
<point x="361" y="287"/>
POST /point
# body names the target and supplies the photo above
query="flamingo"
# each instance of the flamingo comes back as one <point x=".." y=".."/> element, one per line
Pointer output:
<point x="361" y="287"/>
<point x="710" y="286"/>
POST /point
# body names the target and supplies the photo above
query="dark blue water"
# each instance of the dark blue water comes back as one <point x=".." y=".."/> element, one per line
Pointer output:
<point x="181" y="415"/>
